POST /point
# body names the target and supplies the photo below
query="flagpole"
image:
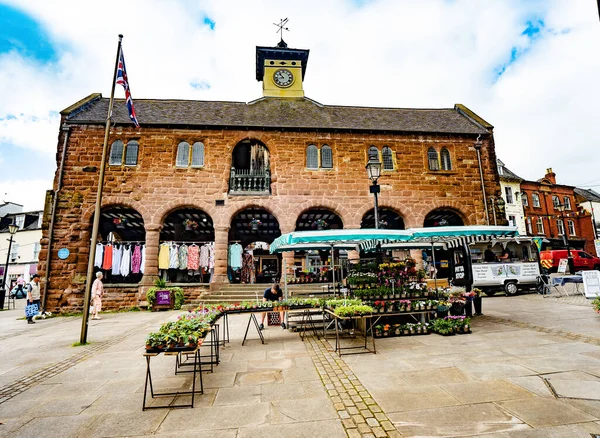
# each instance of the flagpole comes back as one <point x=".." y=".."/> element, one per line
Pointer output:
<point x="97" y="210"/>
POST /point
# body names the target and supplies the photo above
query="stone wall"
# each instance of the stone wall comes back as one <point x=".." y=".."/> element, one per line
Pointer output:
<point x="154" y="187"/>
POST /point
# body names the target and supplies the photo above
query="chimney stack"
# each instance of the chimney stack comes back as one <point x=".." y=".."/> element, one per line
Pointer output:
<point x="550" y="176"/>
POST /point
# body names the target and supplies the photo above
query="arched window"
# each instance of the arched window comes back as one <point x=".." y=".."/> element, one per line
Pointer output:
<point x="432" y="158"/>
<point x="445" y="156"/>
<point x="373" y="153"/>
<point x="386" y="155"/>
<point x="326" y="157"/>
<point x="131" y="153"/>
<point x="183" y="155"/>
<point x="198" y="154"/>
<point x="312" y="157"/>
<point x="116" y="153"/>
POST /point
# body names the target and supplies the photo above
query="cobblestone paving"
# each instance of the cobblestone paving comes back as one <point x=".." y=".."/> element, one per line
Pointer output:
<point x="23" y="384"/>
<point x="553" y="331"/>
<point x="361" y="416"/>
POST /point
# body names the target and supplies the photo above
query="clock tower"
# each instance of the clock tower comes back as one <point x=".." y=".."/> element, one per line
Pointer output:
<point x="281" y="70"/>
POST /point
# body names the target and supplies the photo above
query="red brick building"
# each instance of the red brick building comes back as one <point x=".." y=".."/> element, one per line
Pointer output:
<point x="542" y="201"/>
<point x="220" y="173"/>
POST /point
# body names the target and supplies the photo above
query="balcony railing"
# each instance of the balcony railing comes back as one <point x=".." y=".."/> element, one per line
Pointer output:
<point x="249" y="182"/>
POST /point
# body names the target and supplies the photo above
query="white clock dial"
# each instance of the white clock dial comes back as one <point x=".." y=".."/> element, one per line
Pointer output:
<point x="283" y="78"/>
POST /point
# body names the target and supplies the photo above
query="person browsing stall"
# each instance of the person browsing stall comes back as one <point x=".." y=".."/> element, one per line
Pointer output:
<point x="273" y="293"/>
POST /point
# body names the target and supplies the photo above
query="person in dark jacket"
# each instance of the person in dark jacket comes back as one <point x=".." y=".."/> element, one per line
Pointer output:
<point x="273" y="293"/>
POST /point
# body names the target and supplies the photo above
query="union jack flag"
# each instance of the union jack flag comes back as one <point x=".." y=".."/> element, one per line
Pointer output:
<point x="122" y="80"/>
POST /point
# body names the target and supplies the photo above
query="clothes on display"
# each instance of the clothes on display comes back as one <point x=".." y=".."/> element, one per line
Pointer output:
<point x="248" y="269"/>
<point x="120" y="258"/>
<point x="235" y="256"/>
<point x="189" y="259"/>
<point x="107" y="257"/>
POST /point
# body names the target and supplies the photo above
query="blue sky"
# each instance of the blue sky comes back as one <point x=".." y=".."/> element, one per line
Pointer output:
<point x="529" y="67"/>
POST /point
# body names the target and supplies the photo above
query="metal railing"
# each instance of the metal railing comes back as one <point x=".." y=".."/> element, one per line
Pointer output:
<point x="242" y="181"/>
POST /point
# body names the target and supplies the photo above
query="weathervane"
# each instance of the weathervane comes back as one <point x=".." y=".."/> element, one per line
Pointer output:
<point x="281" y="26"/>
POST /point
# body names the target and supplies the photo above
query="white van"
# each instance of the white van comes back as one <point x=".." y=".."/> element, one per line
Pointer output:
<point x="509" y="264"/>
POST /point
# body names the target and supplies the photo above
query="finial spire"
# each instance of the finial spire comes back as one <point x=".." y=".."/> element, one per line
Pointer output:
<point x="281" y="26"/>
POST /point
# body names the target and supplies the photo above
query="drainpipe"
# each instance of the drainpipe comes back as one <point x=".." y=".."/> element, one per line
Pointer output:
<point x="478" y="145"/>
<point x="66" y="131"/>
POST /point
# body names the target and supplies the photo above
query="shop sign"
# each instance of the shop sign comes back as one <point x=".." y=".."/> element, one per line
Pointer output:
<point x="591" y="283"/>
<point x="163" y="298"/>
<point x="562" y="266"/>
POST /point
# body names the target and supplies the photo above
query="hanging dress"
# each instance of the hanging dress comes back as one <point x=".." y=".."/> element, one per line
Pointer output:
<point x="143" y="262"/>
<point x="98" y="255"/>
<point x="204" y="255"/>
<point x="107" y="259"/>
<point x="173" y="257"/>
<point x="183" y="256"/>
<point x="136" y="259"/>
<point x="193" y="261"/>
<point x="126" y="261"/>
<point x="163" y="257"/>
<point x="117" y="252"/>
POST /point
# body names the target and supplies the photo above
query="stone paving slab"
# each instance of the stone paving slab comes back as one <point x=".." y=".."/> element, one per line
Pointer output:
<point x="485" y="384"/>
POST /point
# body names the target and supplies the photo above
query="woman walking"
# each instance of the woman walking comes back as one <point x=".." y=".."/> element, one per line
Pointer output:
<point x="97" y="293"/>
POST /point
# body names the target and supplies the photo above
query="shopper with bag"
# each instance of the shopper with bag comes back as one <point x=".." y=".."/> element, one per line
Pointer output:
<point x="33" y="299"/>
<point x="97" y="292"/>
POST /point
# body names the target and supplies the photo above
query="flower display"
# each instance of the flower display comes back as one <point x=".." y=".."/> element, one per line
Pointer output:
<point x="320" y="223"/>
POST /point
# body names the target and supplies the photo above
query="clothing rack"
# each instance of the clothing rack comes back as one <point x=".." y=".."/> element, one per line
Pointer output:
<point x="122" y="242"/>
<point x="187" y="242"/>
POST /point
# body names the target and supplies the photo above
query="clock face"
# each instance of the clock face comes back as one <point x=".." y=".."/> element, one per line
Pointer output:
<point x="283" y="78"/>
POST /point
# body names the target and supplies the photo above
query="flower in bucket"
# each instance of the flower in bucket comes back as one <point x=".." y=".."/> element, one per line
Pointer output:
<point x="190" y="224"/>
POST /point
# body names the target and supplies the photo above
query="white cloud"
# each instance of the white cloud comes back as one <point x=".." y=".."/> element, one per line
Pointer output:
<point x="30" y="193"/>
<point x="414" y="53"/>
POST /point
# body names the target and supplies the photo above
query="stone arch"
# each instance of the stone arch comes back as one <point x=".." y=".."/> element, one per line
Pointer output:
<point x="166" y="209"/>
<point x="421" y="210"/>
<point x="447" y="211"/>
<point x="306" y="219"/>
<point x="336" y="207"/>
<point x="113" y="201"/>
<point x="390" y="214"/>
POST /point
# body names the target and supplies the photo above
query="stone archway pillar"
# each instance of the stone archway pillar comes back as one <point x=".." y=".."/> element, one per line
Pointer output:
<point x="151" y="262"/>
<point x="288" y="258"/>
<point x="221" y="241"/>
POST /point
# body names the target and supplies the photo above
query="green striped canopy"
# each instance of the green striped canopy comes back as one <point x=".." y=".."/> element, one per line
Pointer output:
<point x="368" y="238"/>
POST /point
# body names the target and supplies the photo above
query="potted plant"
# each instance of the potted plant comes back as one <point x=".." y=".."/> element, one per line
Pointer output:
<point x="386" y="330"/>
<point x="596" y="304"/>
<point x="378" y="331"/>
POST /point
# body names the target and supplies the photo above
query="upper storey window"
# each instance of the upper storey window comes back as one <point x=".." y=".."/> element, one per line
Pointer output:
<point x="445" y="159"/>
<point x="316" y="158"/>
<point x="190" y="156"/>
<point x="124" y="154"/>
<point x="432" y="159"/>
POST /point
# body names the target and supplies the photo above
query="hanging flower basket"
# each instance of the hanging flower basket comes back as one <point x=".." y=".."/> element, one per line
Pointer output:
<point x="383" y="224"/>
<point x="120" y="222"/>
<point x="254" y="224"/>
<point x="320" y="224"/>
<point x="190" y="224"/>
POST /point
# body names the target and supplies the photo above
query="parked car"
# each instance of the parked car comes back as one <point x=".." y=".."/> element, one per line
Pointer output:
<point x="582" y="261"/>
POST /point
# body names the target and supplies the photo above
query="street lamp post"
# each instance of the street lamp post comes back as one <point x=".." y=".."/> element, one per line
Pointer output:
<point x="12" y="229"/>
<point x="374" y="171"/>
<point x="561" y="208"/>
